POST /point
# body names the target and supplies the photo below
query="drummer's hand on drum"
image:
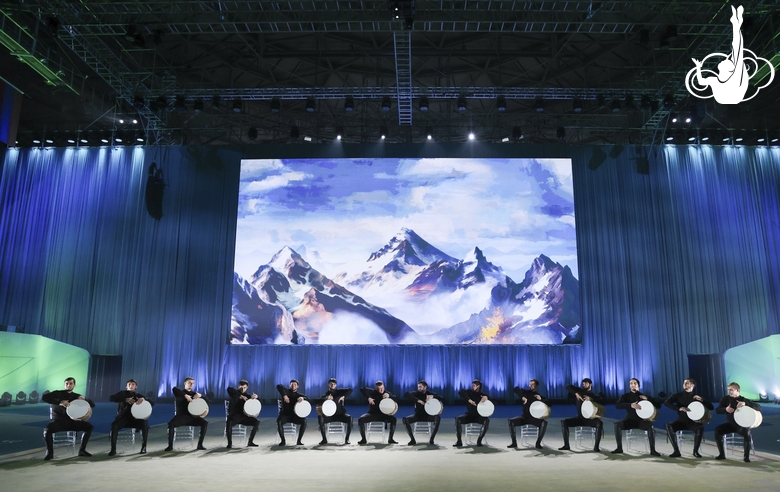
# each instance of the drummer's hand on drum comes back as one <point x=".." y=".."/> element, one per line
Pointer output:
<point x="635" y="406"/>
<point x="371" y="401"/>
<point x="198" y="395"/>
<point x="421" y="402"/>
<point x="472" y="402"/>
<point x="740" y="404"/>
<point x="330" y="397"/>
<point x="577" y="395"/>
<point x="484" y="399"/>
<point x="65" y="403"/>
<point x="428" y="397"/>
<point x="341" y="400"/>
<point x="300" y="399"/>
<point x="129" y="401"/>
<point x="729" y="410"/>
<point x="698" y="398"/>
<point x="586" y="398"/>
<point x="642" y="397"/>
<point x="525" y="400"/>
<point x="683" y="409"/>
<point x="188" y="398"/>
<point x="254" y="396"/>
<point x="538" y="397"/>
<point x="140" y="400"/>
<point x="385" y="395"/>
<point x="286" y="399"/>
<point x="243" y="397"/>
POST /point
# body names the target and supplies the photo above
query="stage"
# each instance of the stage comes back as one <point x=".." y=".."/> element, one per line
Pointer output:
<point x="379" y="466"/>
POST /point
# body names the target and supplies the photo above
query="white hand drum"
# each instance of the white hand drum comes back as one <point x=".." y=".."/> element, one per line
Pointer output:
<point x="141" y="411"/>
<point x="252" y="407"/>
<point x="388" y="406"/>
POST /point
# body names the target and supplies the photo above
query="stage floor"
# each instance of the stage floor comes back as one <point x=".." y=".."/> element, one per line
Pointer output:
<point x="376" y="466"/>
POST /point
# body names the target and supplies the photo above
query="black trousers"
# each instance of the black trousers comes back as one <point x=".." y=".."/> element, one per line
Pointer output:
<point x="187" y="420"/>
<point x="62" y="425"/>
<point x="376" y="417"/>
<point x="729" y="428"/>
<point x="566" y="424"/>
<point x="527" y="420"/>
<point x="284" y="418"/>
<point x="240" y="419"/>
<point x="125" y="422"/>
<point x="472" y="419"/>
<point x="411" y="419"/>
<point x="344" y="417"/>
<point x="629" y="424"/>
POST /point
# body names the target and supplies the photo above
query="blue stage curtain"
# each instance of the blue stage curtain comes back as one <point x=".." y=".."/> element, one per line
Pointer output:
<point x="685" y="260"/>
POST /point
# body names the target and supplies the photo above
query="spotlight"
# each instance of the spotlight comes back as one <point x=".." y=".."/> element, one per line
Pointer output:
<point x="461" y="103"/>
<point x="761" y="138"/>
<point x="36" y="141"/>
<point x="49" y="141"/>
<point x="252" y="133"/>
<point x="704" y="136"/>
<point x="517" y="133"/>
<point x="471" y="135"/>
<point x="139" y="137"/>
<point x="763" y="396"/>
<point x="386" y="104"/>
<point x="577" y="105"/>
<point x="539" y="105"/>
<point x="71" y="140"/>
<point x="670" y="138"/>
<point x="198" y="105"/>
<point x="121" y="121"/>
<point x="691" y="136"/>
<point x="673" y="118"/>
<point x="118" y="139"/>
<point x="688" y="119"/>
<point x="383" y="132"/>
<point x="668" y="102"/>
<point x="423" y="103"/>
<point x="102" y="140"/>
<point x="339" y="132"/>
<point x="83" y="139"/>
<point x="739" y="138"/>
<point x="775" y="139"/>
<point x="311" y="103"/>
<point x="560" y="133"/>
<point x="615" y="106"/>
<point x="726" y="138"/>
<point x="429" y="132"/>
<point x="295" y="132"/>
<point x="501" y="104"/>
<point x="276" y="105"/>
<point x="349" y="104"/>
<point x="135" y="121"/>
<point x="237" y="105"/>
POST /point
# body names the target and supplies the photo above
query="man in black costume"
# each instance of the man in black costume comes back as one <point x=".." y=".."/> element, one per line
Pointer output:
<point x="236" y="415"/>
<point x="728" y="405"/>
<point x="473" y="397"/>
<point x="583" y="393"/>
<point x="183" y="417"/>
<point x="421" y="397"/>
<point x="290" y="397"/>
<point x="338" y="395"/>
<point x="630" y="402"/>
<point x="528" y="396"/>
<point x="124" y="416"/>
<point x="61" y="422"/>
<point x="375" y="396"/>
<point x="679" y="402"/>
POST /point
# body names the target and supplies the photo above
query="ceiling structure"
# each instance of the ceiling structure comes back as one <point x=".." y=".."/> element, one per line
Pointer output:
<point x="253" y="72"/>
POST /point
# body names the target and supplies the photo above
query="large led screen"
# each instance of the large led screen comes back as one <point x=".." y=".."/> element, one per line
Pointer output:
<point x="406" y="251"/>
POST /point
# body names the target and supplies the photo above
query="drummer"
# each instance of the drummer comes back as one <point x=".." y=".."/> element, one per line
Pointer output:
<point x="421" y="397"/>
<point x="528" y="396"/>
<point x="473" y="397"/>
<point x="183" y="417"/>
<point x="61" y="422"/>
<point x="338" y="395"/>
<point x="290" y="397"/>
<point x="124" y="418"/>
<point x="236" y="413"/>
<point x="728" y="404"/>
<point x="375" y="396"/>
<point x="583" y="393"/>
<point x="679" y="402"/>
<point x="630" y="402"/>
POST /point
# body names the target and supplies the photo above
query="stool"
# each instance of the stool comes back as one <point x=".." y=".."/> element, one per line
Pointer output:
<point x="375" y="428"/>
<point x="735" y="441"/>
<point x="528" y="432"/>
<point x="238" y="430"/>
<point x="336" y="428"/>
<point x="633" y="435"/>
<point x="126" y="435"/>
<point x="422" y="428"/>
<point x="581" y="432"/>
<point x="472" y="431"/>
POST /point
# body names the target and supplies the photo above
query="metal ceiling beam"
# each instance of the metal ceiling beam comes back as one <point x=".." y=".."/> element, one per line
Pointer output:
<point x="403" y="76"/>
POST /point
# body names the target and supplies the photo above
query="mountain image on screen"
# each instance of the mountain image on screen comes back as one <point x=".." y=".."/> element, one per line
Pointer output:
<point x="406" y="292"/>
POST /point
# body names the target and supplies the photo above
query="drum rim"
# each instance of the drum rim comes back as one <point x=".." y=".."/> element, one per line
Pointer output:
<point x="143" y="404"/>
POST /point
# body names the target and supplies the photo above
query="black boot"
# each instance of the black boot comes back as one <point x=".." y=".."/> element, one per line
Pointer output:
<point x="114" y="436"/>
<point x="144" y="438"/>
<point x="542" y="430"/>
<point x="203" y="427"/>
<point x="721" y="447"/>
<point x="436" y="423"/>
<point x="280" y="428"/>
<point x="513" y="435"/>
<point x="673" y="439"/>
<point x="229" y="435"/>
<point x="349" y="431"/>
<point x="171" y="430"/>
<point x="362" y="433"/>
<point x="408" y="426"/>
<point x="651" y="438"/>
<point x="48" y="438"/>
<point x="458" y="442"/>
<point x="301" y="430"/>
<point x="85" y="440"/>
<point x="746" y="448"/>
<point x="697" y="438"/>
<point x="618" y="438"/>
<point x="485" y="426"/>
<point x="323" y="427"/>
<point x="252" y="434"/>
<point x="390" y="439"/>
<point x="565" y="432"/>
<point x="599" y="434"/>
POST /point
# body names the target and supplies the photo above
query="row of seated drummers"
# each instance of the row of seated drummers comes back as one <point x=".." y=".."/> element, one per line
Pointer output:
<point x="71" y="410"/>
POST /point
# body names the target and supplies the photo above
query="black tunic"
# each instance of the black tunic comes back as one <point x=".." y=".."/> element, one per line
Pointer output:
<point x="684" y="399"/>
<point x="124" y="417"/>
<point x="287" y="412"/>
<point x="471" y="415"/>
<point x="59" y="416"/>
<point x="527" y="418"/>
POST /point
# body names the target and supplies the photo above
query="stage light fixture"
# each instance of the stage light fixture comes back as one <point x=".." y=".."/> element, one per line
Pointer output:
<point x="517" y="133"/>
<point x="501" y="104"/>
<point x="252" y="133"/>
<point x="237" y="105"/>
<point x="198" y="105"/>
<point x="339" y="132"/>
<point x="121" y="121"/>
<point x="383" y="132"/>
<point x="349" y="104"/>
<point x="429" y="132"/>
<point x="71" y="140"/>
<point x="135" y="121"/>
<point x="36" y="141"/>
<point x="471" y="135"/>
<point x="673" y="118"/>
<point x="687" y="119"/>
<point x="775" y="139"/>
<point x="139" y="137"/>
<point x="276" y="105"/>
<point x="295" y="132"/>
<point x="670" y="138"/>
<point x="577" y="105"/>
<point x="704" y="136"/>
<point x="539" y="105"/>
<point x="49" y="141"/>
<point x="462" y="103"/>
<point x="423" y="103"/>
<point x="386" y="104"/>
<point x="615" y="106"/>
<point x="763" y="396"/>
<point x="761" y="138"/>
<point x="104" y="140"/>
<point x="739" y="138"/>
<point x="311" y="103"/>
<point x="692" y="136"/>
<point x="560" y="133"/>
<point x="505" y="139"/>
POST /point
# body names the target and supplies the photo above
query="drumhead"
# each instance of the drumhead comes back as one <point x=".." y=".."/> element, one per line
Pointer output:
<point x="486" y="408"/>
<point x="198" y="408"/>
<point x="252" y="407"/>
<point x="647" y="410"/>
<point x="388" y="406"/>
<point x="433" y="407"/>
<point x="79" y="410"/>
<point x="539" y="410"/>
<point x="329" y="408"/>
<point x="141" y="411"/>
<point x="696" y="410"/>
<point x="303" y="409"/>
<point x="588" y="409"/>
<point x="747" y="417"/>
